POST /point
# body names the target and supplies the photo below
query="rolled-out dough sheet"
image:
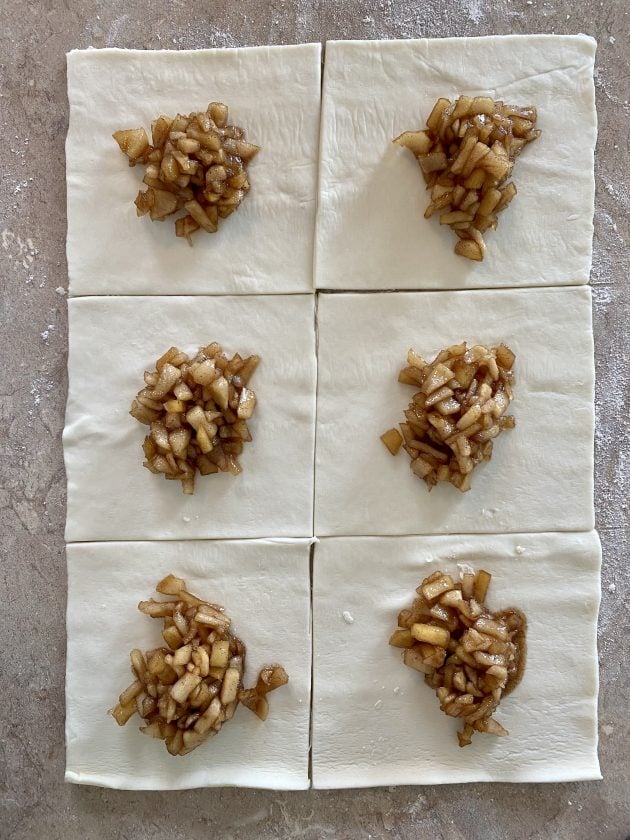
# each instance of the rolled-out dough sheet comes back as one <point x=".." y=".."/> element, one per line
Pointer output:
<point x="540" y="477"/>
<point x="111" y="496"/>
<point x="265" y="589"/>
<point x="371" y="233"/>
<point x="375" y="721"/>
<point x="267" y="245"/>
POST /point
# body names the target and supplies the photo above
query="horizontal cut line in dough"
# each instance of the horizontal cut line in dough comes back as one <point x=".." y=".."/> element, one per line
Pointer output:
<point x="331" y="291"/>
<point x="206" y="294"/>
<point x="325" y="291"/>
<point x="269" y="540"/>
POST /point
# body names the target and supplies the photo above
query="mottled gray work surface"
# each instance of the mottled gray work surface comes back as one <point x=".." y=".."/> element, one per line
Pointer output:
<point x="35" y="802"/>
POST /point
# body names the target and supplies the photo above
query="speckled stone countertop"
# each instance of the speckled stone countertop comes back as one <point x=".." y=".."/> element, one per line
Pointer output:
<point x="34" y="801"/>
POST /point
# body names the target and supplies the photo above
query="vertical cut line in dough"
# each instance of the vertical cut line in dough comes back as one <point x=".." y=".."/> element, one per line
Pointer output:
<point x="316" y="327"/>
<point x="311" y="560"/>
<point x="320" y="146"/>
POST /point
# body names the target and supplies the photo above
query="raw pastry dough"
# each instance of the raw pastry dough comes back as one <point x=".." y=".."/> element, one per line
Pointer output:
<point x="541" y="475"/>
<point x="265" y="247"/>
<point x="371" y="233"/>
<point x="110" y="494"/>
<point x="264" y="586"/>
<point x="375" y="722"/>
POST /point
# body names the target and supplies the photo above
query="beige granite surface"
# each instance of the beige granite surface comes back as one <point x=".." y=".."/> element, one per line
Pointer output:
<point x="34" y="801"/>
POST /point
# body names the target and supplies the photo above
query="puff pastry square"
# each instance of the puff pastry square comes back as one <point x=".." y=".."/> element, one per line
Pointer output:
<point x="111" y="496"/>
<point x="265" y="589"/>
<point x="375" y="722"/>
<point x="267" y="245"/>
<point x="371" y="233"/>
<point x="540" y="477"/>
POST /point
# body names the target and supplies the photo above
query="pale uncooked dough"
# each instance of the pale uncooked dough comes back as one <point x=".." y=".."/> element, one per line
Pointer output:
<point x="111" y="496"/>
<point x="267" y="246"/>
<point x="375" y="722"/>
<point x="371" y="231"/>
<point x="265" y="589"/>
<point x="540" y="477"/>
